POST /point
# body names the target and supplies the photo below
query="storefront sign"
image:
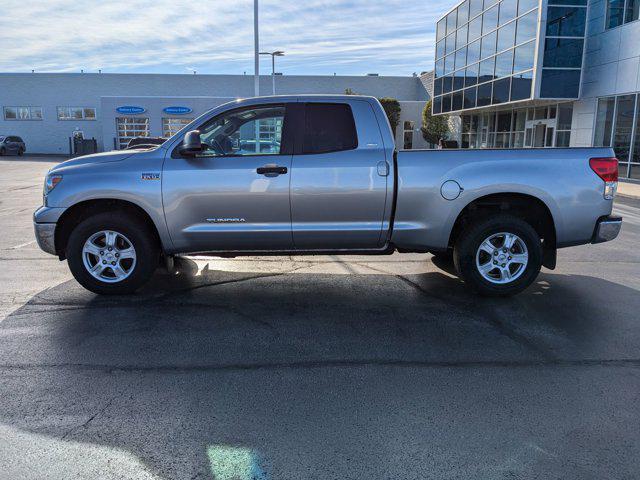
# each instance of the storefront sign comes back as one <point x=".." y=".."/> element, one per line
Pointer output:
<point x="177" y="110"/>
<point x="130" y="109"/>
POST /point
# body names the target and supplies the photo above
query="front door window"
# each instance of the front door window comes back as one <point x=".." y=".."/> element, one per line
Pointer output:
<point x="255" y="131"/>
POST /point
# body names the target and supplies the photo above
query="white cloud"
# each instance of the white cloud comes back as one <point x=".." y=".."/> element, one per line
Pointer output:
<point x="390" y="37"/>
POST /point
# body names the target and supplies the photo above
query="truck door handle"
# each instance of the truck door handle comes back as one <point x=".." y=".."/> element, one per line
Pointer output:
<point x="271" y="170"/>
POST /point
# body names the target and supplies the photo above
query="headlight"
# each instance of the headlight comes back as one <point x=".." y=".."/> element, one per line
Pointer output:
<point x="51" y="181"/>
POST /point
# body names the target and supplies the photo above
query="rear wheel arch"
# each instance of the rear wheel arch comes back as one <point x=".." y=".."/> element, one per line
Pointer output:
<point x="526" y="207"/>
<point x="75" y="214"/>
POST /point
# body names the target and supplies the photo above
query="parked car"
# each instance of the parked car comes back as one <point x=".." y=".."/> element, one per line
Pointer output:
<point x="12" y="144"/>
<point x="334" y="184"/>
<point x="145" y="142"/>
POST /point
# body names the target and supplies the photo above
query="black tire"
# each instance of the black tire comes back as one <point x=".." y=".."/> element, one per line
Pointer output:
<point x="2" y="151"/>
<point x="20" y="152"/>
<point x="144" y="242"/>
<point x="468" y="244"/>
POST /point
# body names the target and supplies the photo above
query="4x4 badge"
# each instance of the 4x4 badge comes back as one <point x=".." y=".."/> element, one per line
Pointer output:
<point x="151" y="176"/>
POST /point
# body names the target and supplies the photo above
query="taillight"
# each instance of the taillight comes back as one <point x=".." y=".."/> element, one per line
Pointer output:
<point x="607" y="170"/>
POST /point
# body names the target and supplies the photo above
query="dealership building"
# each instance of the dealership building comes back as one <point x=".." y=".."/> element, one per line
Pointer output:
<point x="542" y="73"/>
<point x="45" y="109"/>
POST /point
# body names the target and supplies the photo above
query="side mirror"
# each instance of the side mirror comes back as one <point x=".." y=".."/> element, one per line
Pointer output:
<point x="191" y="144"/>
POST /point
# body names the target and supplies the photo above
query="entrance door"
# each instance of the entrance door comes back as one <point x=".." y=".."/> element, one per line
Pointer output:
<point x="339" y="178"/>
<point x="540" y="133"/>
<point x="235" y="194"/>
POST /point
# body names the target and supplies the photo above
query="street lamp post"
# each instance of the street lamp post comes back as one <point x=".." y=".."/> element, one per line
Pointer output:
<point x="256" y="48"/>
<point x="277" y="53"/>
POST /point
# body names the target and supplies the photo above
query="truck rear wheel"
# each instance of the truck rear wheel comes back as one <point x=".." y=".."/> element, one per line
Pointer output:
<point x="498" y="256"/>
<point x="112" y="253"/>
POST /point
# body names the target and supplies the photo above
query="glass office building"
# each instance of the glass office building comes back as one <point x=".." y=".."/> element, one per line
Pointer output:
<point x="542" y="73"/>
<point x="510" y="68"/>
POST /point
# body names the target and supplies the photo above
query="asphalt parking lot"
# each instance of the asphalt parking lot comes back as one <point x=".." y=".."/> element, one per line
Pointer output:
<point x="316" y="367"/>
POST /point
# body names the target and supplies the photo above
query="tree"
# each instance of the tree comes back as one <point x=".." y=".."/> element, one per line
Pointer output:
<point x="392" y="108"/>
<point x="434" y="127"/>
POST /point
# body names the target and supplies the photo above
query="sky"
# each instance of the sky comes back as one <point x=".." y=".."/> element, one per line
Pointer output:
<point x="319" y="37"/>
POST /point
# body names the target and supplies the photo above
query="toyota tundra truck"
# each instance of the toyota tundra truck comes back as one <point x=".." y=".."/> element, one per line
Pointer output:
<point x="319" y="174"/>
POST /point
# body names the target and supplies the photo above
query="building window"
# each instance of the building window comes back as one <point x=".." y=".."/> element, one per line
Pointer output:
<point x="563" y="52"/>
<point x="484" y="95"/>
<point x="76" y="113"/>
<point x="22" y="113"/>
<point x="548" y="126"/>
<point x="407" y="135"/>
<point x="504" y="64"/>
<point x="451" y="21"/>
<point x="564" y="42"/>
<point x="618" y="126"/>
<point x="524" y="55"/>
<point x="521" y="86"/>
<point x="506" y="36"/>
<point x="623" y="130"/>
<point x="490" y="44"/>
<point x="526" y="27"/>
<point x="131" y="127"/>
<point x="470" y="98"/>
<point x="171" y="125"/>
<point x="437" y="105"/>
<point x="563" y="124"/>
<point x="456" y="101"/>
<point x="501" y="90"/>
<point x="560" y="83"/>
<point x="519" y="123"/>
<point x="604" y="122"/>
<point x="621" y="11"/>
<point x="469" y="135"/>
<point x="566" y="21"/>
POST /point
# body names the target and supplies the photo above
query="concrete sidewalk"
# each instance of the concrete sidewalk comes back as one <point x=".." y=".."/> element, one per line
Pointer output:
<point x="629" y="189"/>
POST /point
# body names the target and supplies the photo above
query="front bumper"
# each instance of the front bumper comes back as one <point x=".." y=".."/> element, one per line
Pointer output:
<point x="45" y="236"/>
<point x="607" y="228"/>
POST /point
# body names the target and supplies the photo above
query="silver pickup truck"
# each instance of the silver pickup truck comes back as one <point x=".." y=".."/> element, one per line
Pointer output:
<point x="319" y="174"/>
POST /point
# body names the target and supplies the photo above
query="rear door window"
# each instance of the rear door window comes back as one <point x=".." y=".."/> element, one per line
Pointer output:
<point x="328" y="127"/>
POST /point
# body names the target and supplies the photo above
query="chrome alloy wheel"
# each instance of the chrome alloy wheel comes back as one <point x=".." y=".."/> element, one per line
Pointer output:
<point x="109" y="256"/>
<point x="502" y="258"/>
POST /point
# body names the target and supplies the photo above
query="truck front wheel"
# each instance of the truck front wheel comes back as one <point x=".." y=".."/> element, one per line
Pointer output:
<point x="498" y="256"/>
<point x="112" y="253"/>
